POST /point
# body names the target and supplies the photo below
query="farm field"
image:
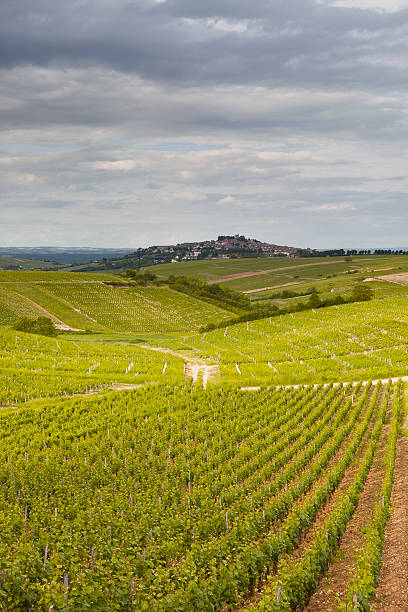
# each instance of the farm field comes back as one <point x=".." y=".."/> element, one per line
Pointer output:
<point x="7" y="262"/>
<point x="352" y="342"/>
<point x="265" y="271"/>
<point x="86" y="303"/>
<point x="175" y="498"/>
<point x="133" y="479"/>
<point x="33" y="367"/>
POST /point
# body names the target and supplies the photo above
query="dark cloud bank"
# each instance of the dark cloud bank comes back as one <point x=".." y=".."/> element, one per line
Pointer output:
<point x="131" y="123"/>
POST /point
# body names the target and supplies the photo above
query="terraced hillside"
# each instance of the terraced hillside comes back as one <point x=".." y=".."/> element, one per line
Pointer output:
<point x="85" y="303"/>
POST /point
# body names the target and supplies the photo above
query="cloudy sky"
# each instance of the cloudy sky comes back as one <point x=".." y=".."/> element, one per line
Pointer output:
<point x="137" y="122"/>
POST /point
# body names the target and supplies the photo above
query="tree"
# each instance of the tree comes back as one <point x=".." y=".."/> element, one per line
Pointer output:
<point x="314" y="301"/>
<point x="361" y="293"/>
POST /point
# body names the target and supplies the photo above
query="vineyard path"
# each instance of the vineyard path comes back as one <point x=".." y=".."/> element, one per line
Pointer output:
<point x="334" y="582"/>
<point x="195" y="367"/>
<point x="58" y="323"/>
<point x="392" y="591"/>
<point x="277" y="286"/>
<point x="99" y="391"/>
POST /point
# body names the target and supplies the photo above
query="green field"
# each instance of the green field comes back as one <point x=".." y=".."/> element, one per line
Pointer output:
<point x="145" y="465"/>
<point x="85" y="303"/>
<point x="35" y="366"/>
<point x="16" y="263"/>
<point x="346" y="343"/>
<point x="31" y="276"/>
<point x="299" y="272"/>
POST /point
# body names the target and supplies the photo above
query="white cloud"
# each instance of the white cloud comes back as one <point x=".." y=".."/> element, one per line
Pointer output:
<point x="386" y="6"/>
<point x="224" y="25"/>
<point x="121" y="164"/>
<point x="332" y="207"/>
<point x="227" y="200"/>
<point x="23" y="178"/>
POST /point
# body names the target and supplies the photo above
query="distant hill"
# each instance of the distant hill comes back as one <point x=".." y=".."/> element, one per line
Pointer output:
<point x="224" y="247"/>
<point x="63" y="255"/>
<point x="19" y="263"/>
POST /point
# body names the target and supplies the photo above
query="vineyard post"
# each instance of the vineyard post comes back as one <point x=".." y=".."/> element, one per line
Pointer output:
<point x="66" y="586"/>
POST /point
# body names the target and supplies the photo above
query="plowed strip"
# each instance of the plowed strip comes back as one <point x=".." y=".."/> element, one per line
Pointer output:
<point x="304" y="541"/>
<point x="392" y="592"/>
<point x="335" y="582"/>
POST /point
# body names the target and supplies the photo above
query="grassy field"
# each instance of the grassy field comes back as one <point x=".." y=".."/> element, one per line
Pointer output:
<point x="25" y="264"/>
<point x="267" y="271"/>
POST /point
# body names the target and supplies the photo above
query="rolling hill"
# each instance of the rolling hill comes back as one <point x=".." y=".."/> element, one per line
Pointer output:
<point x="148" y="466"/>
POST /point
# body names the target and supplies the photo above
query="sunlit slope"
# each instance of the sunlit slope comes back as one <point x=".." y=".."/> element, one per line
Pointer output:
<point x="214" y="270"/>
<point x="94" y="305"/>
<point x="172" y="498"/>
<point x="35" y="366"/>
<point x="137" y="309"/>
<point x="30" y="276"/>
<point x="359" y="341"/>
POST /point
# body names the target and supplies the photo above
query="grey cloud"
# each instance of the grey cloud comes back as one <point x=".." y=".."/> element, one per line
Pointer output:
<point x="136" y="109"/>
<point x="178" y="41"/>
<point x="153" y="186"/>
<point x="130" y="121"/>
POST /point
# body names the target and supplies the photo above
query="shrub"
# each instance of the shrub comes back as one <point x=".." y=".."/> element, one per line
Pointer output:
<point x="41" y="325"/>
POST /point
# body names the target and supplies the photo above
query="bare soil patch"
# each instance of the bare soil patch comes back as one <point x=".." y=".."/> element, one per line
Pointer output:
<point x="392" y="592"/>
<point x="400" y="279"/>
<point x="195" y="368"/>
<point x="336" y="581"/>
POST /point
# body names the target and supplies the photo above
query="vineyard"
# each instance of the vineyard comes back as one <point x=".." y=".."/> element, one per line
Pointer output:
<point x="97" y="306"/>
<point x="353" y="342"/>
<point x="128" y="485"/>
<point x="33" y="367"/>
<point x="175" y="498"/>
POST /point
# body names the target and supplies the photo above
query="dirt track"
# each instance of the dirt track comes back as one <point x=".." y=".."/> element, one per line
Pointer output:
<point x="223" y="279"/>
<point x="274" y="287"/>
<point x="58" y="323"/>
<point x="392" y="592"/>
<point x="195" y="368"/>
